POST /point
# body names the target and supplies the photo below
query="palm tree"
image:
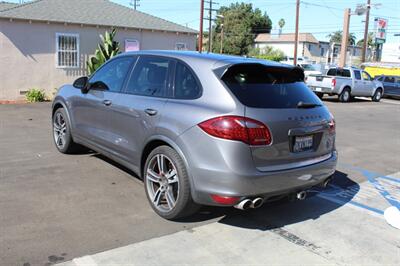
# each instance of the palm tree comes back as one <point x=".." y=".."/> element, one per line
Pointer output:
<point x="336" y="37"/>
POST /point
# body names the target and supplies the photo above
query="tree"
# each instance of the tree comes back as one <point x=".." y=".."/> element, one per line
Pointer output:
<point x="104" y="52"/>
<point x="281" y="24"/>
<point x="267" y="53"/>
<point x="241" y="24"/>
<point x="370" y="42"/>
<point x="336" y="37"/>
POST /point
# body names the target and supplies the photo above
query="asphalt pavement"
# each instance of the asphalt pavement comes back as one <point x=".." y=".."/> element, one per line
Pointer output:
<point x="84" y="209"/>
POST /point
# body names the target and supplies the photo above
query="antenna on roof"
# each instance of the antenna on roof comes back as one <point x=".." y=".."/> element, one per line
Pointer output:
<point x="135" y="4"/>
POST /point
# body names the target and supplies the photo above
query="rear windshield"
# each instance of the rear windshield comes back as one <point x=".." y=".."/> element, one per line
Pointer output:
<point x="260" y="86"/>
<point x="339" y="72"/>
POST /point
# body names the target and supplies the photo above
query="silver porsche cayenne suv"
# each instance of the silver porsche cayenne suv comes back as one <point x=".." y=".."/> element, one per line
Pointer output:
<point x="201" y="129"/>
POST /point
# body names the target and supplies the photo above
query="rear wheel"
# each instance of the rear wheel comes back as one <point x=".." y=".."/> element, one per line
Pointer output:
<point x="62" y="133"/>
<point x="345" y="96"/>
<point x="377" y="95"/>
<point x="167" y="184"/>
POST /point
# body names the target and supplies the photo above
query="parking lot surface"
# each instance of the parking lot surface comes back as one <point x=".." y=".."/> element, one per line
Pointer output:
<point x="86" y="210"/>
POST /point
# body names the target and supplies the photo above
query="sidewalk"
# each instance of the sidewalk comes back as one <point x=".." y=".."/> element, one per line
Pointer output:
<point x="343" y="236"/>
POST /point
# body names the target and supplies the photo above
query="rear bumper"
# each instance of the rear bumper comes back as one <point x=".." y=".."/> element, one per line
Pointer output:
<point x="317" y="89"/>
<point x="261" y="184"/>
<point x="226" y="168"/>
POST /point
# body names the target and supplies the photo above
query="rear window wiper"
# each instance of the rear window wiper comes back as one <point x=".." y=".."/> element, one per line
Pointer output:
<point x="307" y="105"/>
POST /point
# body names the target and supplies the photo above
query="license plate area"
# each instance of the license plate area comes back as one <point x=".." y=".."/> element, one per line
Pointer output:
<point x="302" y="143"/>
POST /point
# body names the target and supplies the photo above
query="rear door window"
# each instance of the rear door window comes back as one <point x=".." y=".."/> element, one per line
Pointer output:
<point x="261" y="86"/>
<point x="357" y="75"/>
<point x="150" y="77"/>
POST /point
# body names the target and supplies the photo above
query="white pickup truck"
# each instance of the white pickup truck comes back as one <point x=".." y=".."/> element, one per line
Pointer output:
<point x="347" y="83"/>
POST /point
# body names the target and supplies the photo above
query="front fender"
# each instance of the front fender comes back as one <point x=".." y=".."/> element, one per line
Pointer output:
<point x="60" y="101"/>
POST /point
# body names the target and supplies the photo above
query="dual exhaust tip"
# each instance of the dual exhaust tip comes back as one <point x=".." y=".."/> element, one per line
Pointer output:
<point x="258" y="202"/>
<point x="248" y="203"/>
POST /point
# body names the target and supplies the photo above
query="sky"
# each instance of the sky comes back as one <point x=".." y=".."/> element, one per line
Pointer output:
<point x="319" y="17"/>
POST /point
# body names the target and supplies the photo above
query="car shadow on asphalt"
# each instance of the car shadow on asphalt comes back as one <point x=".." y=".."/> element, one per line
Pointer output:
<point x="271" y="215"/>
<point x="283" y="212"/>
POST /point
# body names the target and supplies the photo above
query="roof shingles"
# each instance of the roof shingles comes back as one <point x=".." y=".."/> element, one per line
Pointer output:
<point x="90" y="12"/>
<point x="6" y="5"/>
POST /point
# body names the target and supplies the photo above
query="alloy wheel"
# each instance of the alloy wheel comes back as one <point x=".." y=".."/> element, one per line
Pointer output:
<point x="59" y="130"/>
<point x="162" y="183"/>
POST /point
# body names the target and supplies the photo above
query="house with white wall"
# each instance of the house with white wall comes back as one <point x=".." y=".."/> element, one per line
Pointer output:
<point x="46" y="43"/>
<point x="309" y="47"/>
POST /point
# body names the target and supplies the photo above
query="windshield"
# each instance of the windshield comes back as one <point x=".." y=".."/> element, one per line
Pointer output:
<point x="260" y="86"/>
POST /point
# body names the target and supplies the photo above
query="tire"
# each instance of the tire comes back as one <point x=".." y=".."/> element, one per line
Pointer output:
<point x="168" y="193"/>
<point x="377" y="95"/>
<point x="345" y="96"/>
<point x="62" y="133"/>
<point x="320" y="95"/>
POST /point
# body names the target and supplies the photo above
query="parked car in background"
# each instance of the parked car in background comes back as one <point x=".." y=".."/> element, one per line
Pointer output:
<point x="201" y="129"/>
<point x="309" y="69"/>
<point x="391" y="85"/>
<point x="346" y="83"/>
<point x="300" y="60"/>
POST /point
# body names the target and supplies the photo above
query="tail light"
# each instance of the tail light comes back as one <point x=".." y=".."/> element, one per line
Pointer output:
<point x="333" y="82"/>
<point x="239" y="128"/>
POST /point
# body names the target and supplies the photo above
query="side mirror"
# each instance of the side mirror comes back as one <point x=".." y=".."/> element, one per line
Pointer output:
<point x="81" y="83"/>
<point x="98" y="85"/>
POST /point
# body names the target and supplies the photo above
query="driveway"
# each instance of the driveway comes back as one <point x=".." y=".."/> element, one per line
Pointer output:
<point x="54" y="207"/>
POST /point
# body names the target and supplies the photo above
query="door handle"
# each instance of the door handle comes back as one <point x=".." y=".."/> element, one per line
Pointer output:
<point x="107" y="102"/>
<point x="150" y="112"/>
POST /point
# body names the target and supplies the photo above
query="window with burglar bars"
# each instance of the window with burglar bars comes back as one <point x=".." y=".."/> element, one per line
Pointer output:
<point x="67" y="50"/>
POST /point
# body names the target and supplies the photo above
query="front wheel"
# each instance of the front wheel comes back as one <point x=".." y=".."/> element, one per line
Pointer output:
<point x="377" y="95"/>
<point x="62" y="133"/>
<point x="167" y="184"/>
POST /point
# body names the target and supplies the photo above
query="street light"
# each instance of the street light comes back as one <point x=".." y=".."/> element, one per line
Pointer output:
<point x="222" y="33"/>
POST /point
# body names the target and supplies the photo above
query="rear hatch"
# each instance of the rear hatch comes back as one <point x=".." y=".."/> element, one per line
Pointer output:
<point x="301" y="126"/>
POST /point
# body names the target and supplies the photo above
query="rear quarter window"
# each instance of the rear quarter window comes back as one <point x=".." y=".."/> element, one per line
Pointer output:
<point x="261" y="86"/>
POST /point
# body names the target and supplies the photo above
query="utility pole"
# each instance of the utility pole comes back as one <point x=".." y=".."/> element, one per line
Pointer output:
<point x="296" y="35"/>
<point x="345" y="37"/>
<point x="210" y="28"/>
<point x="210" y="20"/>
<point x="364" y="48"/>
<point x="201" y="26"/>
<point x="135" y="4"/>
<point x="222" y="39"/>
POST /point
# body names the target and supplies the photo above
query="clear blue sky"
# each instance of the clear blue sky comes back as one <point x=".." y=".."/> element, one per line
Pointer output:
<point x="319" y="17"/>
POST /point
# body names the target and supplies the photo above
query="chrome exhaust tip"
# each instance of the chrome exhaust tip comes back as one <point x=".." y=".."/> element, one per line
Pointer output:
<point x="257" y="203"/>
<point x="326" y="182"/>
<point x="244" y="204"/>
<point x="301" y="195"/>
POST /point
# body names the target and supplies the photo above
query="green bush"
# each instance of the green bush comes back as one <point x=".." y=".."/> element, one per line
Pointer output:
<point x="268" y="53"/>
<point x="35" y="95"/>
